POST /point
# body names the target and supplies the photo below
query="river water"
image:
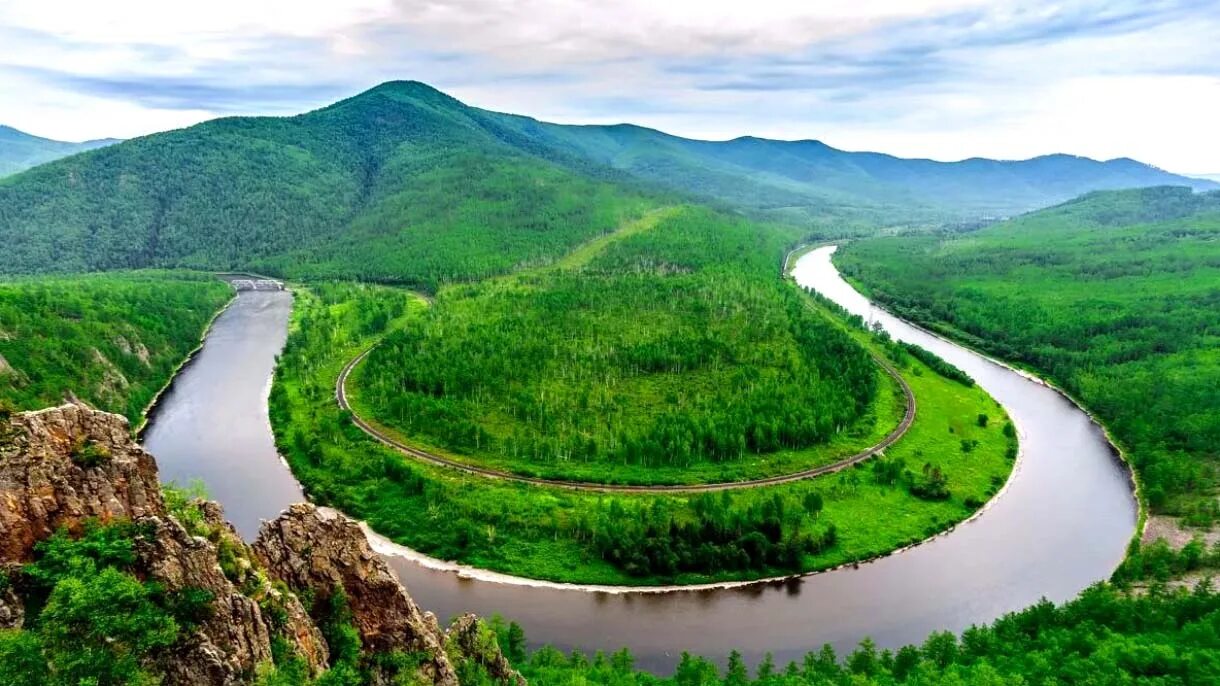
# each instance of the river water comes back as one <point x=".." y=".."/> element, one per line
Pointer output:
<point x="1061" y="524"/>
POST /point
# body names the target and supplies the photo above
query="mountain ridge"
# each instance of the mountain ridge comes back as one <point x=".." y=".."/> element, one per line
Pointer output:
<point x="20" y="150"/>
<point x="402" y="183"/>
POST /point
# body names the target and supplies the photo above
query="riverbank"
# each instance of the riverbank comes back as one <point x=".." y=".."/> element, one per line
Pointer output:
<point x="1121" y="452"/>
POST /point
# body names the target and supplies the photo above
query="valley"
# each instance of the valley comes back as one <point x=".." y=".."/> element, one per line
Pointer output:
<point x="609" y="384"/>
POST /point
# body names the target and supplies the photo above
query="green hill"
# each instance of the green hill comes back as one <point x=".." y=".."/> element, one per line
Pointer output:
<point x="400" y="183"/>
<point x="403" y="183"/>
<point x="20" y="150"/>
<point x="112" y="340"/>
<point x="1114" y="295"/>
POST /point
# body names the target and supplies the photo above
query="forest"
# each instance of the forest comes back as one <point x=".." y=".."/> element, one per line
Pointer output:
<point x="112" y="340"/>
<point x="399" y="184"/>
<point x="927" y="481"/>
<point x="1113" y="296"/>
<point x="1162" y="638"/>
<point x="677" y="346"/>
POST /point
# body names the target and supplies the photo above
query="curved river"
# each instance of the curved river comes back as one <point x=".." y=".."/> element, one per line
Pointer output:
<point x="1062" y="523"/>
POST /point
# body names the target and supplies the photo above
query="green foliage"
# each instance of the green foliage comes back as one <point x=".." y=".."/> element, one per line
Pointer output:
<point x="1113" y="296"/>
<point x="677" y="346"/>
<point x="936" y="363"/>
<point x="88" y="454"/>
<point x="1103" y="637"/>
<point x="558" y="534"/>
<point x="89" y="619"/>
<point x="112" y="340"/>
<point x="1159" y="562"/>
<point x="400" y="184"/>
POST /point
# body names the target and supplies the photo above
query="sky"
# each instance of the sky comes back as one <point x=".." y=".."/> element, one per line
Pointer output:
<point x="945" y="79"/>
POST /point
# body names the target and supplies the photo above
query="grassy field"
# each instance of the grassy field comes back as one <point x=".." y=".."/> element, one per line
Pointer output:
<point x="581" y="537"/>
<point x="1113" y="296"/>
<point x="112" y="340"/>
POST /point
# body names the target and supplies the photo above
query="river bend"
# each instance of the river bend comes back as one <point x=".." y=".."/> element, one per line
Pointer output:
<point x="1061" y="524"/>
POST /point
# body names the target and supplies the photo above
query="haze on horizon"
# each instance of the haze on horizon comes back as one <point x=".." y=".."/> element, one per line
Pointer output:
<point x="945" y="79"/>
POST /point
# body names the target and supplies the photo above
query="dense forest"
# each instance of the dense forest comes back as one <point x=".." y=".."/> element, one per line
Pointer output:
<point x="111" y="340"/>
<point x="1113" y="295"/>
<point x="675" y="346"/>
<point x="405" y="184"/>
<point x="1103" y="637"/>
<point x="400" y="184"/>
<point x="945" y="467"/>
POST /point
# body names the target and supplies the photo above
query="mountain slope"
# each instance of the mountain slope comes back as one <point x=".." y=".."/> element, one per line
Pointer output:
<point x="404" y="183"/>
<point x="398" y="183"/>
<point x="807" y="177"/>
<point x="20" y="150"/>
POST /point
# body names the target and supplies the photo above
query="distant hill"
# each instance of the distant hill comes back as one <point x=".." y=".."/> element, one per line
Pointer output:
<point x="404" y="183"/>
<point x="802" y="178"/>
<point x="20" y="150"/>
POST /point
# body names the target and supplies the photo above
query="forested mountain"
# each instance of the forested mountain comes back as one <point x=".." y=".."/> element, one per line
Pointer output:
<point x="808" y="179"/>
<point x="404" y="183"/>
<point x="1113" y="295"/>
<point x="20" y="150"/>
<point x="400" y="183"/>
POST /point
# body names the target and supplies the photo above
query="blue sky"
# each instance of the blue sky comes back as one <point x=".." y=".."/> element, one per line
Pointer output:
<point x="946" y="79"/>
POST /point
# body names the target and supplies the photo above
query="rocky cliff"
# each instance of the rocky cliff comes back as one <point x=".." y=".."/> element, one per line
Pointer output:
<point x="65" y="467"/>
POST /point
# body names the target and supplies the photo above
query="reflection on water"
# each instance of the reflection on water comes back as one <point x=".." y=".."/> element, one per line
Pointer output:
<point x="1061" y="525"/>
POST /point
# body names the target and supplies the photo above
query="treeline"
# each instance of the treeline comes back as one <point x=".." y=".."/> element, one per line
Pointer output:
<point x="704" y="360"/>
<point x="1121" y="314"/>
<point x="1102" y="637"/>
<point x="111" y="340"/>
<point x="937" y="363"/>
<point x="655" y="541"/>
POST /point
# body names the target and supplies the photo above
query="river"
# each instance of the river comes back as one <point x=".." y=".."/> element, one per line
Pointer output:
<point x="1061" y="524"/>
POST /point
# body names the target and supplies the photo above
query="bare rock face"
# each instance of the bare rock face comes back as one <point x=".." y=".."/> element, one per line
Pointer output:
<point x="234" y="637"/>
<point x="319" y="551"/>
<point x="64" y="465"/>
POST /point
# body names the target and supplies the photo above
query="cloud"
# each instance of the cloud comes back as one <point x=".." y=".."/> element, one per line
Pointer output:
<point x="939" y="78"/>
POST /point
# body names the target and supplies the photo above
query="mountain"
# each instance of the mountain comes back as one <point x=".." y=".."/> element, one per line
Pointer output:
<point x="404" y="183"/>
<point x="400" y="183"/>
<point x="20" y="150"/>
<point x="803" y="178"/>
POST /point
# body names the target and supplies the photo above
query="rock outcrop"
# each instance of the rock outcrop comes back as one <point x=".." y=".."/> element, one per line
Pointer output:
<point x="319" y="551"/>
<point x="469" y="638"/>
<point x="65" y="466"/>
<point x="62" y="466"/>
